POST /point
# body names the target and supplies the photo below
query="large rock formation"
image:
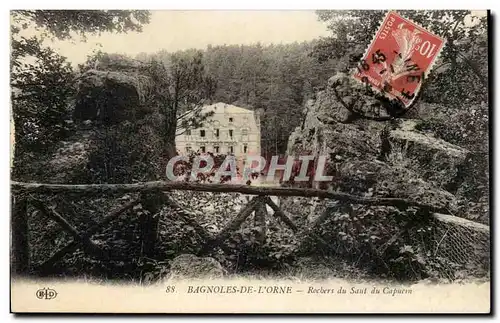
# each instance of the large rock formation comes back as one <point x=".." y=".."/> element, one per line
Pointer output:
<point x="111" y="121"/>
<point x="435" y="160"/>
<point x="110" y="96"/>
<point x="377" y="155"/>
<point x="379" y="158"/>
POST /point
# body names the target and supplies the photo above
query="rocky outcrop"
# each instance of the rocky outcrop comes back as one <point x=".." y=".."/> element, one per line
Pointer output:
<point x="111" y="122"/>
<point x="376" y="178"/>
<point x="110" y="97"/>
<point x="416" y="165"/>
<point x="436" y="160"/>
<point x="71" y="157"/>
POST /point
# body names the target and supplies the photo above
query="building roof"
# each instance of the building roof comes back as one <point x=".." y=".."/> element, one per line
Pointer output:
<point x="221" y="107"/>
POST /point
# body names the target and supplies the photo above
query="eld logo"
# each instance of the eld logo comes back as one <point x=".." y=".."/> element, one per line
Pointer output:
<point x="46" y="293"/>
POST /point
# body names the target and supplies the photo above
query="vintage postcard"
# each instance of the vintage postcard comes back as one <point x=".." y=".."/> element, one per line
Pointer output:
<point x="329" y="161"/>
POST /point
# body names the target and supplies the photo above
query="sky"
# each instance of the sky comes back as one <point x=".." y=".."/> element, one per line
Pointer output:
<point x="178" y="30"/>
<point x="174" y="30"/>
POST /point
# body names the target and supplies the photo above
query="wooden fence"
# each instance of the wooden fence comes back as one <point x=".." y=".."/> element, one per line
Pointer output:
<point x="153" y="195"/>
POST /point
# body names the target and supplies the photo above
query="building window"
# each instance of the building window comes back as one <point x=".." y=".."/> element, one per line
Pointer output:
<point x="231" y="133"/>
<point x="188" y="149"/>
<point x="245" y="149"/>
<point x="216" y="149"/>
<point x="231" y="150"/>
<point x="216" y="133"/>
<point x="202" y="148"/>
<point x="230" y="119"/>
<point x="244" y="134"/>
<point x="188" y="132"/>
<point x="202" y="133"/>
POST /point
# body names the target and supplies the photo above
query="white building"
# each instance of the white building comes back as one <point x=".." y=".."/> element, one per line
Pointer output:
<point x="230" y="130"/>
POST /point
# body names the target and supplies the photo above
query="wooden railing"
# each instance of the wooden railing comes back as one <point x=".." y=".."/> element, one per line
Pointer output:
<point x="220" y="188"/>
<point x="153" y="195"/>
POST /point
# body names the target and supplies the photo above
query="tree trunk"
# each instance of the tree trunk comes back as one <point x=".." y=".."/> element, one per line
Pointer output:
<point x="149" y="230"/>
<point x="260" y="221"/>
<point x="88" y="245"/>
<point x="278" y="213"/>
<point x="169" y="150"/>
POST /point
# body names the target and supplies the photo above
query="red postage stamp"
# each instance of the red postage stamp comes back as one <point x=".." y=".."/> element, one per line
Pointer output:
<point x="399" y="58"/>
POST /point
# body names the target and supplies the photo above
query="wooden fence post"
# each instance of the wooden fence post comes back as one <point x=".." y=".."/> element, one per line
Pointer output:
<point x="232" y="226"/>
<point x="153" y="203"/>
<point x="19" y="234"/>
<point x="278" y="213"/>
<point x="260" y="221"/>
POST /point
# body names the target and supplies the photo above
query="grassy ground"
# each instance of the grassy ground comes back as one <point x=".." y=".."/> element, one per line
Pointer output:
<point x="309" y="269"/>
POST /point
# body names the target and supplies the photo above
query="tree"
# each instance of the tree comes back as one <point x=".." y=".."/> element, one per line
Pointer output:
<point x="40" y="91"/>
<point x="41" y="79"/>
<point x="180" y="89"/>
<point x="61" y="23"/>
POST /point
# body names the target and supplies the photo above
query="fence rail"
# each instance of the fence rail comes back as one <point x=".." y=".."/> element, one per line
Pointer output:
<point x="221" y="188"/>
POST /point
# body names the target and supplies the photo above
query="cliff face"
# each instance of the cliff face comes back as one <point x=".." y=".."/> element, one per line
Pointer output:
<point x="391" y="158"/>
<point x="377" y="158"/>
